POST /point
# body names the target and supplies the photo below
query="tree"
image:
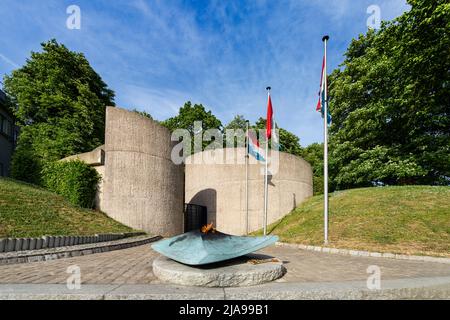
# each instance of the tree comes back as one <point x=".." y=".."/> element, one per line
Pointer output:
<point x="143" y="113"/>
<point x="238" y="122"/>
<point x="314" y="155"/>
<point x="187" y="116"/>
<point x="59" y="102"/>
<point x="238" y="126"/>
<point x="289" y="142"/>
<point x="390" y="102"/>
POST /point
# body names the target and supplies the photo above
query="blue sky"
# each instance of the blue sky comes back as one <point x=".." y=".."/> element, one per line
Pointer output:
<point x="156" y="55"/>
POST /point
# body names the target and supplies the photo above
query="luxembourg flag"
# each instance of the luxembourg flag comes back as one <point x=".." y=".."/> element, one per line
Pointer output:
<point x="323" y="89"/>
<point x="253" y="146"/>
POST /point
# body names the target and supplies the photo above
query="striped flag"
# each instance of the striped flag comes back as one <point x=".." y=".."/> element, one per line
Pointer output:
<point x="253" y="146"/>
<point x="275" y="139"/>
<point x="323" y="89"/>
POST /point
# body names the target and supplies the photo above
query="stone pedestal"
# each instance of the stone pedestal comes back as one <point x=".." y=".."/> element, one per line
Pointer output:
<point x="232" y="273"/>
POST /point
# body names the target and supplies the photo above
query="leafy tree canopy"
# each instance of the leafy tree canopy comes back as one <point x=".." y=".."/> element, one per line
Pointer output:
<point x="186" y="118"/>
<point x="59" y="102"/>
<point x="390" y="102"/>
<point x="188" y="114"/>
<point x="238" y="122"/>
<point x="289" y="142"/>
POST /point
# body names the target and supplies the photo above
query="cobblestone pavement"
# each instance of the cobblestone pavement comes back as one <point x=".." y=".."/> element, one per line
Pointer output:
<point x="134" y="266"/>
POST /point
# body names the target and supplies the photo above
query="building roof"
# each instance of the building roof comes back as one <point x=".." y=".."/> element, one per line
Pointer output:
<point x="2" y="96"/>
<point x="3" y="106"/>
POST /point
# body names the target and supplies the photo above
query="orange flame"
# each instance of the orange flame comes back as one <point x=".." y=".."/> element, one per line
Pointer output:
<point x="207" y="228"/>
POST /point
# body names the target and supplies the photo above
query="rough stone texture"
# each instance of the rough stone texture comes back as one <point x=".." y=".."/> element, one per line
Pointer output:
<point x="235" y="273"/>
<point x="19" y="243"/>
<point x="10" y="245"/>
<point x="162" y="292"/>
<point x="221" y="188"/>
<point x="95" y="157"/>
<point x="142" y="187"/>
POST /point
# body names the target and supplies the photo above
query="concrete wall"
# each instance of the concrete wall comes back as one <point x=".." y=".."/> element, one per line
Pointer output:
<point x="221" y="188"/>
<point x="142" y="188"/>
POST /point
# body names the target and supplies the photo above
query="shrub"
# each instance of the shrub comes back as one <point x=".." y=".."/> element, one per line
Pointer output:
<point x="26" y="165"/>
<point x="75" y="180"/>
<point x="317" y="185"/>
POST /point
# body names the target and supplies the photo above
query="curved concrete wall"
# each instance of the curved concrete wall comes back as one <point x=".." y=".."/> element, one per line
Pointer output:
<point x="142" y="188"/>
<point x="221" y="188"/>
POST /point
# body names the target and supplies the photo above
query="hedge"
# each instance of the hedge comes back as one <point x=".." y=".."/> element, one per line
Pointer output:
<point x="75" y="180"/>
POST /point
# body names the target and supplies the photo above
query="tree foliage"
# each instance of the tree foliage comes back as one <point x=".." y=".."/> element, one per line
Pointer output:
<point x="314" y="155"/>
<point x="238" y="126"/>
<point x="238" y="122"/>
<point x="75" y="180"/>
<point x="390" y="102"/>
<point x="186" y="118"/>
<point x="289" y="142"/>
<point x="59" y="102"/>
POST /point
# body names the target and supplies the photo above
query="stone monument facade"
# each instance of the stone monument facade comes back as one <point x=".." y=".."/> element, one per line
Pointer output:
<point x="141" y="187"/>
<point x="222" y="189"/>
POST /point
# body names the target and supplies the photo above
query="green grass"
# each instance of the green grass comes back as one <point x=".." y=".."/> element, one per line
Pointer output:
<point x="406" y="219"/>
<point x="30" y="211"/>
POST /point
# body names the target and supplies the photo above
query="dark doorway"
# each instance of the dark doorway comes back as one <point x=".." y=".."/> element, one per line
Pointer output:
<point x="195" y="216"/>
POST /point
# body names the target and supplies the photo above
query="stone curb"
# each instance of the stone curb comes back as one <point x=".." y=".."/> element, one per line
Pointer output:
<point x="22" y="244"/>
<point x="73" y="251"/>
<point x="410" y="288"/>
<point x="359" y="253"/>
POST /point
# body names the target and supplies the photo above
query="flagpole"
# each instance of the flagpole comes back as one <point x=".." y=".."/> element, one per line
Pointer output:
<point x="246" y="180"/>
<point x="266" y="187"/>
<point x="325" y="146"/>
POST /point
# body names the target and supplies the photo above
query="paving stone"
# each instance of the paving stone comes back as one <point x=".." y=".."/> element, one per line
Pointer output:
<point x="136" y="264"/>
<point x="10" y="245"/>
<point x="32" y="244"/>
<point x="18" y="246"/>
<point x="25" y="244"/>
<point x="44" y="242"/>
<point x="39" y="242"/>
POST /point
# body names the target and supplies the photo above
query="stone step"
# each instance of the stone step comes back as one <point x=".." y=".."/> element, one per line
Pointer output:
<point x="23" y="244"/>
<point x="54" y="253"/>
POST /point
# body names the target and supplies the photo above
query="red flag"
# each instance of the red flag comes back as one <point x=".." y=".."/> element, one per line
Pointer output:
<point x="319" y="103"/>
<point x="269" y="119"/>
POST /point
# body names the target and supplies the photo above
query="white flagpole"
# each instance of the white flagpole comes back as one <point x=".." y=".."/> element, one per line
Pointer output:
<point x="246" y="181"/>
<point x="266" y="187"/>
<point x="325" y="146"/>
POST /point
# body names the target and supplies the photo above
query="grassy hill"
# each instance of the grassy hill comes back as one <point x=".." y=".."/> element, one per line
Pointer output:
<point x="30" y="211"/>
<point x="408" y="220"/>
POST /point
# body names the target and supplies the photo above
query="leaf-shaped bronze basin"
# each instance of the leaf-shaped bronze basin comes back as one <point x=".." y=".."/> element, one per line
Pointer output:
<point x="197" y="248"/>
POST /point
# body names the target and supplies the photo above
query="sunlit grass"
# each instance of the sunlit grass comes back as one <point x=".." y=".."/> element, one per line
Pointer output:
<point x="30" y="211"/>
<point x="406" y="219"/>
